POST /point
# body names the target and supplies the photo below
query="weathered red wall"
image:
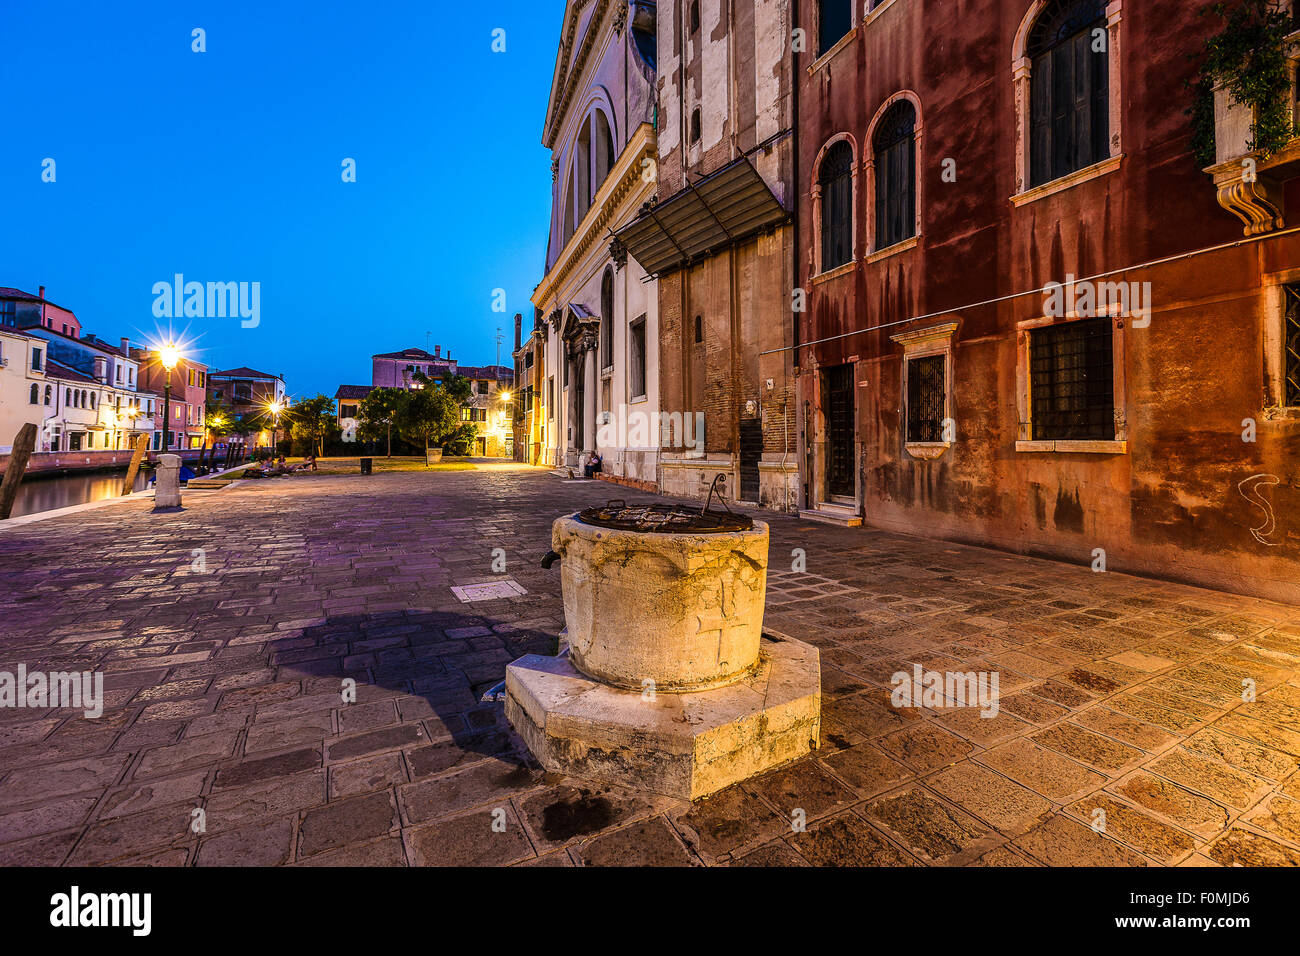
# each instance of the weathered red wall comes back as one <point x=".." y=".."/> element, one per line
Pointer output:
<point x="1170" y="506"/>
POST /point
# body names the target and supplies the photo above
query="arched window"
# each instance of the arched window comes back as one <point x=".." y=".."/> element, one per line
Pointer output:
<point x="582" y="175"/>
<point x="695" y="17"/>
<point x="695" y="125"/>
<point x="607" y="319"/>
<point x="36" y="394"/>
<point x="602" y="153"/>
<point x="49" y="394"/>
<point x="1069" y="100"/>
<point x="568" y="210"/>
<point x="92" y="399"/>
<point x="894" y="145"/>
<point x="834" y="20"/>
<point x="67" y="397"/>
<point x="835" y="177"/>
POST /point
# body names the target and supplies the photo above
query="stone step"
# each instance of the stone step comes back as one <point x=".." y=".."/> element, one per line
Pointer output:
<point x="832" y="514"/>
<point x="207" y="483"/>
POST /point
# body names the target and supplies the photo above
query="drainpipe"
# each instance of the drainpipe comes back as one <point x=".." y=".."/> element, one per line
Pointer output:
<point x="796" y="259"/>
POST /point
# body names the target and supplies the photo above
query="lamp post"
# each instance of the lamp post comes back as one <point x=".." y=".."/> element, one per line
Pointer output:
<point x="168" y="356"/>
<point x="276" y="408"/>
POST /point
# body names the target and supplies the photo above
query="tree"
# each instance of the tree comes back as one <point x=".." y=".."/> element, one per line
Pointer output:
<point x="377" y="413"/>
<point x="218" y="421"/>
<point x="312" y="418"/>
<point x="430" y="415"/>
<point x="458" y="387"/>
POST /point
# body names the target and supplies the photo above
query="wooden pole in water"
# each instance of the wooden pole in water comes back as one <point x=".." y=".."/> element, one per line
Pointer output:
<point x="128" y="484"/>
<point x="24" y="443"/>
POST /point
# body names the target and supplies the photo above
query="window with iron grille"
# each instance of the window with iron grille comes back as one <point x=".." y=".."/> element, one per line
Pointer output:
<point x="1291" y="347"/>
<point x="1069" y="100"/>
<point x="836" y="180"/>
<point x="894" y="145"/>
<point x="1072" y="381"/>
<point x="926" y="389"/>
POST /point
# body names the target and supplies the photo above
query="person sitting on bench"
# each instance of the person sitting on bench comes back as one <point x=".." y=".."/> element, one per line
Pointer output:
<point x="592" y="466"/>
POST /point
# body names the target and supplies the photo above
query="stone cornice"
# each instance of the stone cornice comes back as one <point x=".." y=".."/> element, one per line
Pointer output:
<point x="622" y="180"/>
<point x="570" y="67"/>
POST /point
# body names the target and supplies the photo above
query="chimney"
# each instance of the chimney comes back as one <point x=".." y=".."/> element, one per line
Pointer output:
<point x="437" y="350"/>
<point x="519" y="330"/>
<point x="42" y="292"/>
<point x="126" y="347"/>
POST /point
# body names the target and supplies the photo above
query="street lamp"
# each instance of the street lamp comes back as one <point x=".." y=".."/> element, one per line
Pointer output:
<point x="168" y="356"/>
<point x="275" y="409"/>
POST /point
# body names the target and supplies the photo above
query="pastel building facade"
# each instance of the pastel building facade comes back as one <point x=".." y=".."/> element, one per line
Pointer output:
<point x="601" y="309"/>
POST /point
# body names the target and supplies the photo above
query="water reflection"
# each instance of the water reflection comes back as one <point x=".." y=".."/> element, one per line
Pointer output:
<point x="36" y="494"/>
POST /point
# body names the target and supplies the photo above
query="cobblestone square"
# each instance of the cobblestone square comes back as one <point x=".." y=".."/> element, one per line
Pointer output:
<point x="225" y="632"/>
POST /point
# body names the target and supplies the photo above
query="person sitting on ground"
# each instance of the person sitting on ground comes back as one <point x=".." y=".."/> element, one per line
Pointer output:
<point x="592" y="466"/>
<point x="310" y="463"/>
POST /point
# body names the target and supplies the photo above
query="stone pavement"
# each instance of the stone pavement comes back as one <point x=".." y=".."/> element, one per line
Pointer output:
<point x="225" y="631"/>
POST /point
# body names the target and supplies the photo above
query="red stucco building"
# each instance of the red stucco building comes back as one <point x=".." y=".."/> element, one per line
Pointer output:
<point x="956" y="159"/>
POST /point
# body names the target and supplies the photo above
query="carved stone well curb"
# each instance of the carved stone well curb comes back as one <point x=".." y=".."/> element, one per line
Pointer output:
<point x="670" y="685"/>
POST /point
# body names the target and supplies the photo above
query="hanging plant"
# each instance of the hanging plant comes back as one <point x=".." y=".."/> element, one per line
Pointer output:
<point x="1248" y="57"/>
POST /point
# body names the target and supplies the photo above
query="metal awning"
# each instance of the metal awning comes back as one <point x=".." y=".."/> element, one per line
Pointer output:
<point x="709" y="215"/>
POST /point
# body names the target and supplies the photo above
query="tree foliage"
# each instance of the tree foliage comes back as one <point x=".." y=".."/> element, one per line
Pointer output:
<point x="430" y="415"/>
<point x="312" y="419"/>
<point x="1248" y="57"/>
<point x="377" y="414"/>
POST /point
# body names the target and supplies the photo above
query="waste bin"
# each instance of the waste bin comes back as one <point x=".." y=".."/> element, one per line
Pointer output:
<point x="366" y="465"/>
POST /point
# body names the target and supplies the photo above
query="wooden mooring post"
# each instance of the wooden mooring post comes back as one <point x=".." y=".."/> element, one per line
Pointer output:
<point x="141" y="446"/>
<point x="24" y="444"/>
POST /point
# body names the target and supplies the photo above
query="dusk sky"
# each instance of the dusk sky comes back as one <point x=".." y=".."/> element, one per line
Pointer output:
<point x="226" y="166"/>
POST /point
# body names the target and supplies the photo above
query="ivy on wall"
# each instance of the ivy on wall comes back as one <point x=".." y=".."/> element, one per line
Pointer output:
<point x="1248" y="57"/>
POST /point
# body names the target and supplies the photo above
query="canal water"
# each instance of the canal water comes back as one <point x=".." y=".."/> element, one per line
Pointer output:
<point x="38" y="493"/>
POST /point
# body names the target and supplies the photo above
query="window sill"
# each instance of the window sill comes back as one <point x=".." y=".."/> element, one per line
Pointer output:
<point x="1069" y="447"/>
<point x="636" y="400"/>
<point x="826" y="57"/>
<point x="900" y="246"/>
<point x="834" y="273"/>
<point x="1281" y="413"/>
<point x="1095" y="171"/>
<point x="927" y="450"/>
<point x="877" y="11"/>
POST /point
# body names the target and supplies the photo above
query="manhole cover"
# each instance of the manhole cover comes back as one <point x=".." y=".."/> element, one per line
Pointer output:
<point x="492" y="591"/>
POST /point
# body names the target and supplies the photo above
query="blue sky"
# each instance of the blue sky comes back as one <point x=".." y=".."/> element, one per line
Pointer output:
<point x="226" y="166"/>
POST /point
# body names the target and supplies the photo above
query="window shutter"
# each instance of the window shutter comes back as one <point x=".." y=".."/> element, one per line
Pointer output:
<point x="1040" y="125"/>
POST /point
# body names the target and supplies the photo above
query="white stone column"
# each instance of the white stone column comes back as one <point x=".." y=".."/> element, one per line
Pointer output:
<point x="589" y="398"/>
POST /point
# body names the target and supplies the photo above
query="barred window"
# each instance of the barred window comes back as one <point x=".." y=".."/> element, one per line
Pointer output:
<point x="926" y="390"/>
<point x="1291" y="348"/>
<point x="1072" y="380"/>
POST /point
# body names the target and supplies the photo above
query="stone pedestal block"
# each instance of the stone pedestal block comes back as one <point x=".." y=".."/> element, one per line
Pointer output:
<point x="167" y="486"/>
<point x="684" y="745"/>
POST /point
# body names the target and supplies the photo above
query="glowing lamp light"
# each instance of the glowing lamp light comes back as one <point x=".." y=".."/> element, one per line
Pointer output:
<point x="169" y="355"/>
